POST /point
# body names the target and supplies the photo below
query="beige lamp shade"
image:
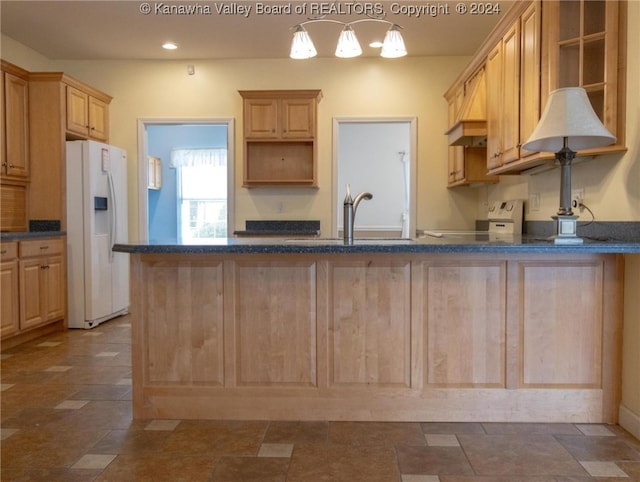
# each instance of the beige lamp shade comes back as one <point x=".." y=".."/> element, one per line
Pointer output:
<point x="348" y="45"/>
<point x="568" y="114"/>
<point x="393" y="46"/>
<point x="302" y="47"/>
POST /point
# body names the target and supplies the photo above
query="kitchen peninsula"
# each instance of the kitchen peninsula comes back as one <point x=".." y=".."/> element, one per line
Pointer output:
<point x="388" y="330"/>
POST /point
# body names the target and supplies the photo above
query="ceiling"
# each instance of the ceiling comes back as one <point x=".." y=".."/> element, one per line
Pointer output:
<point x="100" y="30"/>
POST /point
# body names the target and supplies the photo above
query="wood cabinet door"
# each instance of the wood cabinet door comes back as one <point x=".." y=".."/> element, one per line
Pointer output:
<point x="54" y="288"/>
<point x="77" y="111"/>
<point x="583" y="41"/>
<point x="98" y="120"/>
<point x="510" y="121"/>
<point x="13" y="216"/>
<point x="9" y="308"/>
<point x="16" y="125"/>
<point x="494" y="107"/>
<point x="451" y="166"/>
<point x="529" y="74"/>
<point x="298" y="118"/>
<point x="456" y="164"/>
<point x="261" y="118"/>
<point x="465" y="324"/>
<point x="31" y="300"/>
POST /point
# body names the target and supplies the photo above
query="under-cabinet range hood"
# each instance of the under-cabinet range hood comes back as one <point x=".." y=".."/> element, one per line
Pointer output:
<point x="470" y="128"/>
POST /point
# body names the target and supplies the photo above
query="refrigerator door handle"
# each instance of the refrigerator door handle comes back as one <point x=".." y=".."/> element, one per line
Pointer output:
<point x="112" y="219"/>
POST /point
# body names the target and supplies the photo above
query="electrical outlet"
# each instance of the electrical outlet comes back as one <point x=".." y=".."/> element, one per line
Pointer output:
<point x="534" y="202"/>
<point x="577" y="198"/>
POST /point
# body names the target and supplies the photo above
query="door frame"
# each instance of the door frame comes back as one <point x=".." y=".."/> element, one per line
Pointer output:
<point x="143" y="171"/>
<point x="413" y="147"/>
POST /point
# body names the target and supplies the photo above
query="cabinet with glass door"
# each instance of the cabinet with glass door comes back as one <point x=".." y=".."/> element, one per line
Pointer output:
<point x="584" y="46"/>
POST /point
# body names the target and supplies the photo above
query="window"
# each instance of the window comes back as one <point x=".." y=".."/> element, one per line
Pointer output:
<point x="202" y="194"/>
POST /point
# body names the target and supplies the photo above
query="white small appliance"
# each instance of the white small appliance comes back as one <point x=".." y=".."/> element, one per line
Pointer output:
<point x="505" y="217"/>
<point x="505" y="221"/>
<point x="98" y="278"/>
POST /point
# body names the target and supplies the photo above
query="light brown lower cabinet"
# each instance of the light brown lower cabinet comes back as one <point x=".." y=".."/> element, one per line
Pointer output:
<point x="401" y="337"/>
<point x="35" y="290"/>
<point x="9" y="306"/>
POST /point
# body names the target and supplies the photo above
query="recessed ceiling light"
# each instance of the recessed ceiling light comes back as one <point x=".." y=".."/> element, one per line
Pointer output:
<point x="169" y="46"/>
<point x="376" y="45"/>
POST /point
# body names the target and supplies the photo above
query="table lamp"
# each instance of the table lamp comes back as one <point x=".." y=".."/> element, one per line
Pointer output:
<point x="568" y="124"/>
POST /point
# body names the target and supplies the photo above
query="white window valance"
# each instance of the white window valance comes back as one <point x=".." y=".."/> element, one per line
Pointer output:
<point x="207" y="156"/>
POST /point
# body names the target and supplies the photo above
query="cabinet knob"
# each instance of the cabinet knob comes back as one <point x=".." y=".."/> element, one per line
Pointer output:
<point x="12" y="165"/>
<point x="4" y="251"/>
<point x="4" y="164"/>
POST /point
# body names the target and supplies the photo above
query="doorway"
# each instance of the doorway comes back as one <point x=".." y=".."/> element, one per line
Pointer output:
<point x="186" y="180"/>
<point x="377" y="155"/>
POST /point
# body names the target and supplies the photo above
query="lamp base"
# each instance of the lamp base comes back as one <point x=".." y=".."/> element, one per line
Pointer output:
<point x="566" y="229"/>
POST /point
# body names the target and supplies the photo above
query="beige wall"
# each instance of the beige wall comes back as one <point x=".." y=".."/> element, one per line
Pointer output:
<point x="630" y="410"/>
<point x="356" y="87"/>
<point x="630" y="186"/>
<point x="363" y="87"/>
<point x="359" y="87"/>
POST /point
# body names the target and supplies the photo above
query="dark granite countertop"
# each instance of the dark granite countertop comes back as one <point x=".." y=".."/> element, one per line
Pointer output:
<point x="289" y="228"/>
<point x="275" y="232"/>
<point x="17" y="236"/>
<point x="453" y="244"/>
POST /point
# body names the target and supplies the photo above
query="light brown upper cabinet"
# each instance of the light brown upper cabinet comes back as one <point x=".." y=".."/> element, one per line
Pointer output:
<point x="280" y="129"/>
<point x="585" y="46"/>
<point x="61" y="108"/>
<point x="15" y="107"/>
<point x="513" y="91"/>
<point x="87" y="116"/>
<point x="14" y="146"/>
<point x="468" y="133"/>
<point x="537" y="47"/>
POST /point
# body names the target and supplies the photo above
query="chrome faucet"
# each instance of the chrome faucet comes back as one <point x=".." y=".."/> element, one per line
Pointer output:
<point x="350" y="206"/>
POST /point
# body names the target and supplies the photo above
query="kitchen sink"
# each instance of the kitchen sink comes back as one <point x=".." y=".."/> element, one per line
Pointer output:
<point x="356" y="241"/>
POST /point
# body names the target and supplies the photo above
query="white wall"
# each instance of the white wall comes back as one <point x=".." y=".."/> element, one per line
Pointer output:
<point x="374" y="157"/>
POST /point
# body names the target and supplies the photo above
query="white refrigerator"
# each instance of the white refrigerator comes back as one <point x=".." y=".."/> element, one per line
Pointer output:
<point x="98" y="278"/>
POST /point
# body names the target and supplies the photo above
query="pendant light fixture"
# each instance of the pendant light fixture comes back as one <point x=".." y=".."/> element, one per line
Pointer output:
<point x="348" y="46"/>
<point x="302" y="47"/>
<point x="393" y="45"/>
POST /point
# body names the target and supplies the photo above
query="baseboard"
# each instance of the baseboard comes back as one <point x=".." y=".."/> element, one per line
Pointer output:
<point x="630" y="421"/>
<point x="32" y="334"/>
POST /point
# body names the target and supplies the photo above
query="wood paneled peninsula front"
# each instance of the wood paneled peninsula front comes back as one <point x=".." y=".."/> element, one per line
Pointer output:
<point x="432" y="329"/>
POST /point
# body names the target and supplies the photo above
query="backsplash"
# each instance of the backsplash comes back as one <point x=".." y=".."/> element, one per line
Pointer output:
<point x="44" y="225"/>
<point x="281" y="227"/>
<point x="597" y="230"/>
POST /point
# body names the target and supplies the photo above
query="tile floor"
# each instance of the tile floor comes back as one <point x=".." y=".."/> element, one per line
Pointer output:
<point x="66" y="416"/>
